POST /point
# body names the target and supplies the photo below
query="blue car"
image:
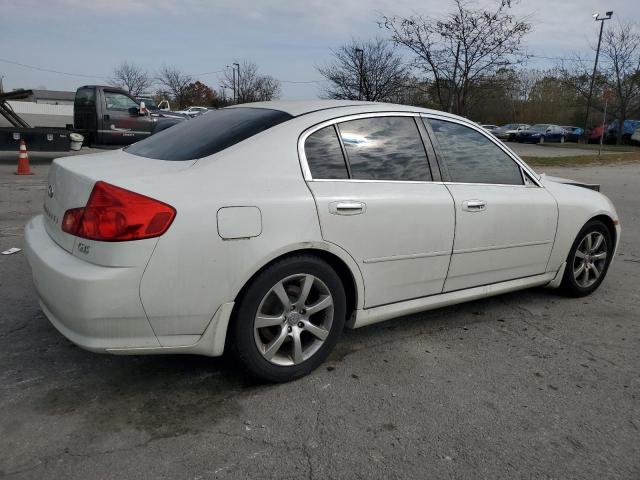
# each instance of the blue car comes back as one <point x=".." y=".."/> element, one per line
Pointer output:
<point x="627" y="130"/>
<point x="573" y="133"/>
<point x="541" y="133"/>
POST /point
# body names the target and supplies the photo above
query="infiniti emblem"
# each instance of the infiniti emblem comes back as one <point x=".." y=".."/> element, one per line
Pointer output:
<point x="50" y="191"/>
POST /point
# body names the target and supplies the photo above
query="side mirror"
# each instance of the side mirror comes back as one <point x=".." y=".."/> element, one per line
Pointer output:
<point x="548" y="130"/>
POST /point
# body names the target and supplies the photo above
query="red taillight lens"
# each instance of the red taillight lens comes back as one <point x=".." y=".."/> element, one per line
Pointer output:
<point x="114" y="214"/>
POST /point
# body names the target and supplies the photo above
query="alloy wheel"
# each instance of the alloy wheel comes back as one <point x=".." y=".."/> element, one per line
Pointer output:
<point x="293" y="319"/>
<point x="590" y="259"/>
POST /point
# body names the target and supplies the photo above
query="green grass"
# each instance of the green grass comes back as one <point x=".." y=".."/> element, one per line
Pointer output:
<point x="577" y="160"/>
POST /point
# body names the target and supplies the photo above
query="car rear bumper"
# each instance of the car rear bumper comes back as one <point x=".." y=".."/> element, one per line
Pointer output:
<point x="95" y="307"/>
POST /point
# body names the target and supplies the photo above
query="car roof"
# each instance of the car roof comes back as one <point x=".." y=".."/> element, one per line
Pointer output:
<point x="303" y="107"/>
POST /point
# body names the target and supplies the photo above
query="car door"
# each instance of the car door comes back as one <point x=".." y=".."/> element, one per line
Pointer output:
<point x="505" y="221"/>
<point x="372" y="182"/>
<point x="119" y="125"/>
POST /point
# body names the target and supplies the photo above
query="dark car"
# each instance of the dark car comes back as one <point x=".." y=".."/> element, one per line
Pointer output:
<point x="573" y="133"/>
<point x="541" y="133"/>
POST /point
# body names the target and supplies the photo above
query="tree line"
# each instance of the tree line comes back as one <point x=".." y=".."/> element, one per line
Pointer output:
<point x="247" y="84"/>
<point x="471" y="62"/>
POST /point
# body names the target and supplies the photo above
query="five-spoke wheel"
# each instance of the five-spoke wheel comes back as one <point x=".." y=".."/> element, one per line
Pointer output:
<point x="289" y="318"/>
<point x="588" y="259"/>
<point x="294" y="319"/>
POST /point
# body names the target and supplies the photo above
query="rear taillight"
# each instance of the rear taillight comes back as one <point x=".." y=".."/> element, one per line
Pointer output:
<point x="113" y="214"/>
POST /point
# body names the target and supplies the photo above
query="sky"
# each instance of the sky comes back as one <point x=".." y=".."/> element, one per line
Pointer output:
<point x="285" y="38"/>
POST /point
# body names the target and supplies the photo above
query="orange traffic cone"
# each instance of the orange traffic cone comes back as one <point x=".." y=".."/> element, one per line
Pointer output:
<point x="23" y="160"/>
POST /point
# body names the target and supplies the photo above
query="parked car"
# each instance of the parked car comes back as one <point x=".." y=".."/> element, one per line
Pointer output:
<point x="265" y="228"/>
<point x="490" y="128"/>
<point x="629" y="128"/>
<point x="635" y="137"/>
<point x="573" y="134"/>
<point x="540" y="133"/>
<point x="509" y="131"/>
<point x="194" y="111"/>
<point x="595" y="132"/>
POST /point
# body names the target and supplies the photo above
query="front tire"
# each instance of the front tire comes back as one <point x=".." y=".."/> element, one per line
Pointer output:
<point x="588" y="260"/>
<point x="289" y="318"/>
<point x="541" y="141"/>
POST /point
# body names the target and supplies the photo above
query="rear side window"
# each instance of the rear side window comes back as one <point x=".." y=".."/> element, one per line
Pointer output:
<point x="473" y="158"/>
<point x="385" y="148"/>
<point x="207" y="134"/>
<point x="324" y="154"/>
<point x="85" y="97"/>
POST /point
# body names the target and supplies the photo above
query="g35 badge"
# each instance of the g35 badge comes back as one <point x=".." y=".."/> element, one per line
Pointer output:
<point x="83" y="248"/>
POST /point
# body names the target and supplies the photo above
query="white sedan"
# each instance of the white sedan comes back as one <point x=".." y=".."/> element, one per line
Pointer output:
<point x="266" y="228"/>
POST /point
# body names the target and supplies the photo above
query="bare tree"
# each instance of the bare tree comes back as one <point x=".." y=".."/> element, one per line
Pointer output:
<point x="175" y="82"/>
<point x="132" y="78"/>
<point x="617" y="78"/>
<point x="365" y="71"/>
<point x="250" y="85"/>
<point x="458" y="51"/>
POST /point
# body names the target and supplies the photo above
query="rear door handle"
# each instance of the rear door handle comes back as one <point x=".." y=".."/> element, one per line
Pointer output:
<point x="474" y="205"/>
<point x="347" y="207"/>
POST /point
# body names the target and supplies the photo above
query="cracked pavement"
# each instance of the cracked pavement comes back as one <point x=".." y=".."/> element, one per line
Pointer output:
<point x="524" y="385"/>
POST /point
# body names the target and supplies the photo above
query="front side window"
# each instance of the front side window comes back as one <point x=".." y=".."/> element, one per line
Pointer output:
<point x="324" y="154"/>
<point x="118" y="101"/>
<point x="385" y="148"/>
<point x="473" y="158"/>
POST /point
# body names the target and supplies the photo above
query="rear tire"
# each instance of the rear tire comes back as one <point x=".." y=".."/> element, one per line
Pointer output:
<point x="562" y="139"/>
<point x="289" y="318"/>
<point x="588" y="260"/>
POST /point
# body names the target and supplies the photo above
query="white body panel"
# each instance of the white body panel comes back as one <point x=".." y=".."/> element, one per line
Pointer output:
<point x="176" y="293"/>
<point x="401" y="240"/>
<point x="511" y="237"/>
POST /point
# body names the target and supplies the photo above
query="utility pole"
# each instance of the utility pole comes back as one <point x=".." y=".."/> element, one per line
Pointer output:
<point x="237" y="65"/>
<point x="360" y="55"/>
<point x="597" y="18"/>
<point x="1" y="86"/>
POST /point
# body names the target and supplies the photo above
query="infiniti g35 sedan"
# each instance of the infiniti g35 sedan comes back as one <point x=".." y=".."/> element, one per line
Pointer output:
<point x="264" y="229"/>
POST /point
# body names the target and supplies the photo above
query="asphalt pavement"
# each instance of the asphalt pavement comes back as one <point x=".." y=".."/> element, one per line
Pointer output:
<point x="525" y="385"/>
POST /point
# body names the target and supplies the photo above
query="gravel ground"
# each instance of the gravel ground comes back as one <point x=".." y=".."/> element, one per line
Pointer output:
<point x="525" y="385"/>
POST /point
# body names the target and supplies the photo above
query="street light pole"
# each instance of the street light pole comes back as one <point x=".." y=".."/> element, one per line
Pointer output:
<point x="237" y="65"/>
<point x="597" y="18"/>
<point x="360" y="55"/>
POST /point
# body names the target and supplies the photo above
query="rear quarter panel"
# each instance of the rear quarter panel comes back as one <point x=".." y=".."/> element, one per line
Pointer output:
<point x="193" y="270"/>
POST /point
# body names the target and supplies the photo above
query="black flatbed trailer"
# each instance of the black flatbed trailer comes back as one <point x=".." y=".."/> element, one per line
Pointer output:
<point x="51" y="139"/>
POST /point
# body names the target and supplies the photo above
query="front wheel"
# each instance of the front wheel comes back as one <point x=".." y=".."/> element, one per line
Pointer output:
<point x="588" y="260"/>
<point x="562" y="140"/>
<point x="541" y="140"/>
<point x="289" y="318"/>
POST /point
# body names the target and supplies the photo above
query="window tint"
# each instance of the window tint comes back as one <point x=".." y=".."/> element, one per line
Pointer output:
<point x="207" y="134"/>
<point x="118" y="101"/>
<point x="473" y="158"/>
<point x="85" y="97"/>
<point x="385" y="148"/>
<point x="324" y="154"/>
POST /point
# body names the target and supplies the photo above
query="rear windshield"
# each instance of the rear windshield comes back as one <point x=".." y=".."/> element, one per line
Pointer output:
<point x="207" y="134"/>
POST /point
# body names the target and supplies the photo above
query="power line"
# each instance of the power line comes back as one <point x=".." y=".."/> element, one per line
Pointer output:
<point x="49" y="70"/>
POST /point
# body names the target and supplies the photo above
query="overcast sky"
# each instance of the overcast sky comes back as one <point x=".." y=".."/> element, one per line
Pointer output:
<point x="286" y="38"/>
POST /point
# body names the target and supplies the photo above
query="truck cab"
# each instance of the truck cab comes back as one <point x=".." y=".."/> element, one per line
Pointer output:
<point x="111" y="116"/>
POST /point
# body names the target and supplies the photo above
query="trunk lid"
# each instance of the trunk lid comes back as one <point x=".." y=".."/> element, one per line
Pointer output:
<point x="71" y="180"/>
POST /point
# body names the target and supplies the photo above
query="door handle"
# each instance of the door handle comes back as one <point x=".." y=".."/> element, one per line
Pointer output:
<point x="347" y="207"/>
<point x="117" y="129"/>
<point x="474" y="205"/>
